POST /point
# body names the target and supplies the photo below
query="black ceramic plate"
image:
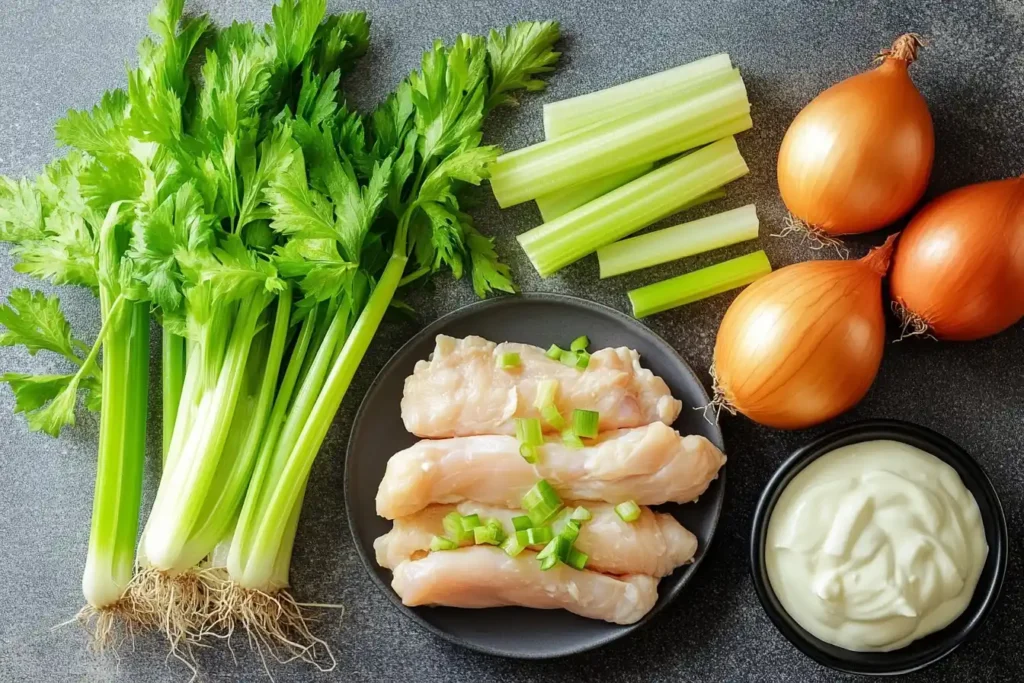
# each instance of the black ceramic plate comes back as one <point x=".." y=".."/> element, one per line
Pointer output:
<point x="931" y="648"/>
<point x="540" y="319"/>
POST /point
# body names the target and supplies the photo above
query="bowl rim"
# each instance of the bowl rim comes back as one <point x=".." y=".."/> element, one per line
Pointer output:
<point x="615" y="632"/>
<point x="944" y="641"/>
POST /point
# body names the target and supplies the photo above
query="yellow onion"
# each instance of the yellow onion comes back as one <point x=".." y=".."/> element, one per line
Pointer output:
<point x="803" y="344"/>
<point x="858" y="157"/>
<point x="958" y="271"/>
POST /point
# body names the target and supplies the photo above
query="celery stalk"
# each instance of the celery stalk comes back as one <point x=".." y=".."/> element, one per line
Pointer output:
<point x="263" y="535"/>
<point x="249" y="425"/>
<point x="559" y="203"/>
<point x="605" y="148"/>
<point x="621" y="212"/>
<point x="172" y="367"/>
<point x="699" y="284"/>
<point x="680" y="241"/>
<point x="124" y="338"/>
<point x="566" y="116"/>
<point x="184" y="487"/>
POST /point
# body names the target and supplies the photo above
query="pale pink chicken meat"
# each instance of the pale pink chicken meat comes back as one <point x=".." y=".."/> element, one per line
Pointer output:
<point x="655" y="544"/>
<point x="650" y="465"/>
<point x="460" y="391"/>
<point x="484" y="576"/>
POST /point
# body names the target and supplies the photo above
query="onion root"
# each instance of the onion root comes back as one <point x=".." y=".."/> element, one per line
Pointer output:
<point x="816" y="237"/>
<point x="911" y="324"/>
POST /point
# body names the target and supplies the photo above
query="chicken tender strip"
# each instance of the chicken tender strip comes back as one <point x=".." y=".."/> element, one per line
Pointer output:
<point x="460" y="391"/>
<point x="655" y="544"/>
<point x="484" y="576"/>
<point x="651" y="465"/>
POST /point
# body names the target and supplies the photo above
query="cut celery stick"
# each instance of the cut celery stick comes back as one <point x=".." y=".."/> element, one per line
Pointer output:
<point x="605" y="148"/>
<point x="635" y="205"/>
<point x="680" y="241"/>
<point x="562" y="202"/>
<point x="541" y="233"/>
<point x="699" y="284"/>
<point x="572" y="114"/>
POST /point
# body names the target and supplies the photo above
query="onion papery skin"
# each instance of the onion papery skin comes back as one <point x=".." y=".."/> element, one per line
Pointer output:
<point x="859" y="156"/>
<point x="803" y="344"/>
<point x="959" y="265"/>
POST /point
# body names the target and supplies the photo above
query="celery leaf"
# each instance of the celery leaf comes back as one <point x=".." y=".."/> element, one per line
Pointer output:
<point x="517" y="55"/>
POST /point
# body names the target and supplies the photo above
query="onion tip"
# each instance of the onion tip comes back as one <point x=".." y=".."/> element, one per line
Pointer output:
<point x="878" y="259"/>
<point x="903" y="48"/>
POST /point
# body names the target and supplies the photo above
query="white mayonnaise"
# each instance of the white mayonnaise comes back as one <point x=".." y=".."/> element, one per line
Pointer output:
<point x="875" y="545"/>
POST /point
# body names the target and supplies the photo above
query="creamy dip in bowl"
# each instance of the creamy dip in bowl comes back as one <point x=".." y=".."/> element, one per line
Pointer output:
<point x="878" y="548"/>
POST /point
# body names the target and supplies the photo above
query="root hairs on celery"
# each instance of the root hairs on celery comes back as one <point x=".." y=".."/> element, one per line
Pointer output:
<point x="274" y="623"/>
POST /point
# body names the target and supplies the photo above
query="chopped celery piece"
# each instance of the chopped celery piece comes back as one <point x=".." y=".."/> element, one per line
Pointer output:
<point x="650" y="135"/>
<point x="582" y="360"/>
<point x="470" y="522"/>
<point x="530" y="454"/>
<point x="580" y="343"/>
<point x="680" y="241"/>
<point x="554" y="353"/>
<point x="442" y="543"/>
<point x="452" y="524"/>
<point x="559" y="203"/>
<point x="488" y="535"/>
<point x="538" y="535"/>
<point x="699" y="284"/>
<point x="512" y="546"/>
<point x="547" y="392"/>
<point x="566" y="116"/>
<point x="521" y="523"/>
<point x="619" y="213"/>
<point x="528" y="431"/>
<point x="507" y="361"/>
<point x="570" y="439"/>
<point x="541" y="502"/>
<point x="584" y="423"/>
<point x="569" y="358"/>
<point x="628" y="511"/>
<point x="553" y="417"/>
<point x="576" y="559"/>
<point x="549" y="562"/>
<point x="548" y="550"/>
<point x="580" y="514"/>
<point x="571" y="531"/>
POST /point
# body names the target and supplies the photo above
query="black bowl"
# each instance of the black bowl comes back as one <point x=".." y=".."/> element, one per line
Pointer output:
<point x="931" y="648"/>
<point x="378" y="432"/>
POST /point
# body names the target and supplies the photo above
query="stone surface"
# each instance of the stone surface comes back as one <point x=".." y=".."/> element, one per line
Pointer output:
<point x="54" y="56"/>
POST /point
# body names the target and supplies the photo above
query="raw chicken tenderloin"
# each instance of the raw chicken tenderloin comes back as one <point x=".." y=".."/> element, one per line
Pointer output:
<point x="484" y="576"/>
<point x="655" y="544"/>
<point x="651" y="465"/>
<point x="460" y="391"/>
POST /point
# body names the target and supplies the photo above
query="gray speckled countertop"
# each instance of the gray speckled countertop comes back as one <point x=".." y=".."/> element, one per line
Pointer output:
<point x="56" y="55"/>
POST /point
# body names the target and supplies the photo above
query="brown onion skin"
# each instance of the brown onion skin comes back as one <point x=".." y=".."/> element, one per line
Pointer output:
<point x="820" y="356"/>
<point x="959" y="265"/>
<point x="859" y="156"/>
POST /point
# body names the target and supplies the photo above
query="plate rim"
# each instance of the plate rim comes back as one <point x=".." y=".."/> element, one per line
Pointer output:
<point x="431" y="328"/>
